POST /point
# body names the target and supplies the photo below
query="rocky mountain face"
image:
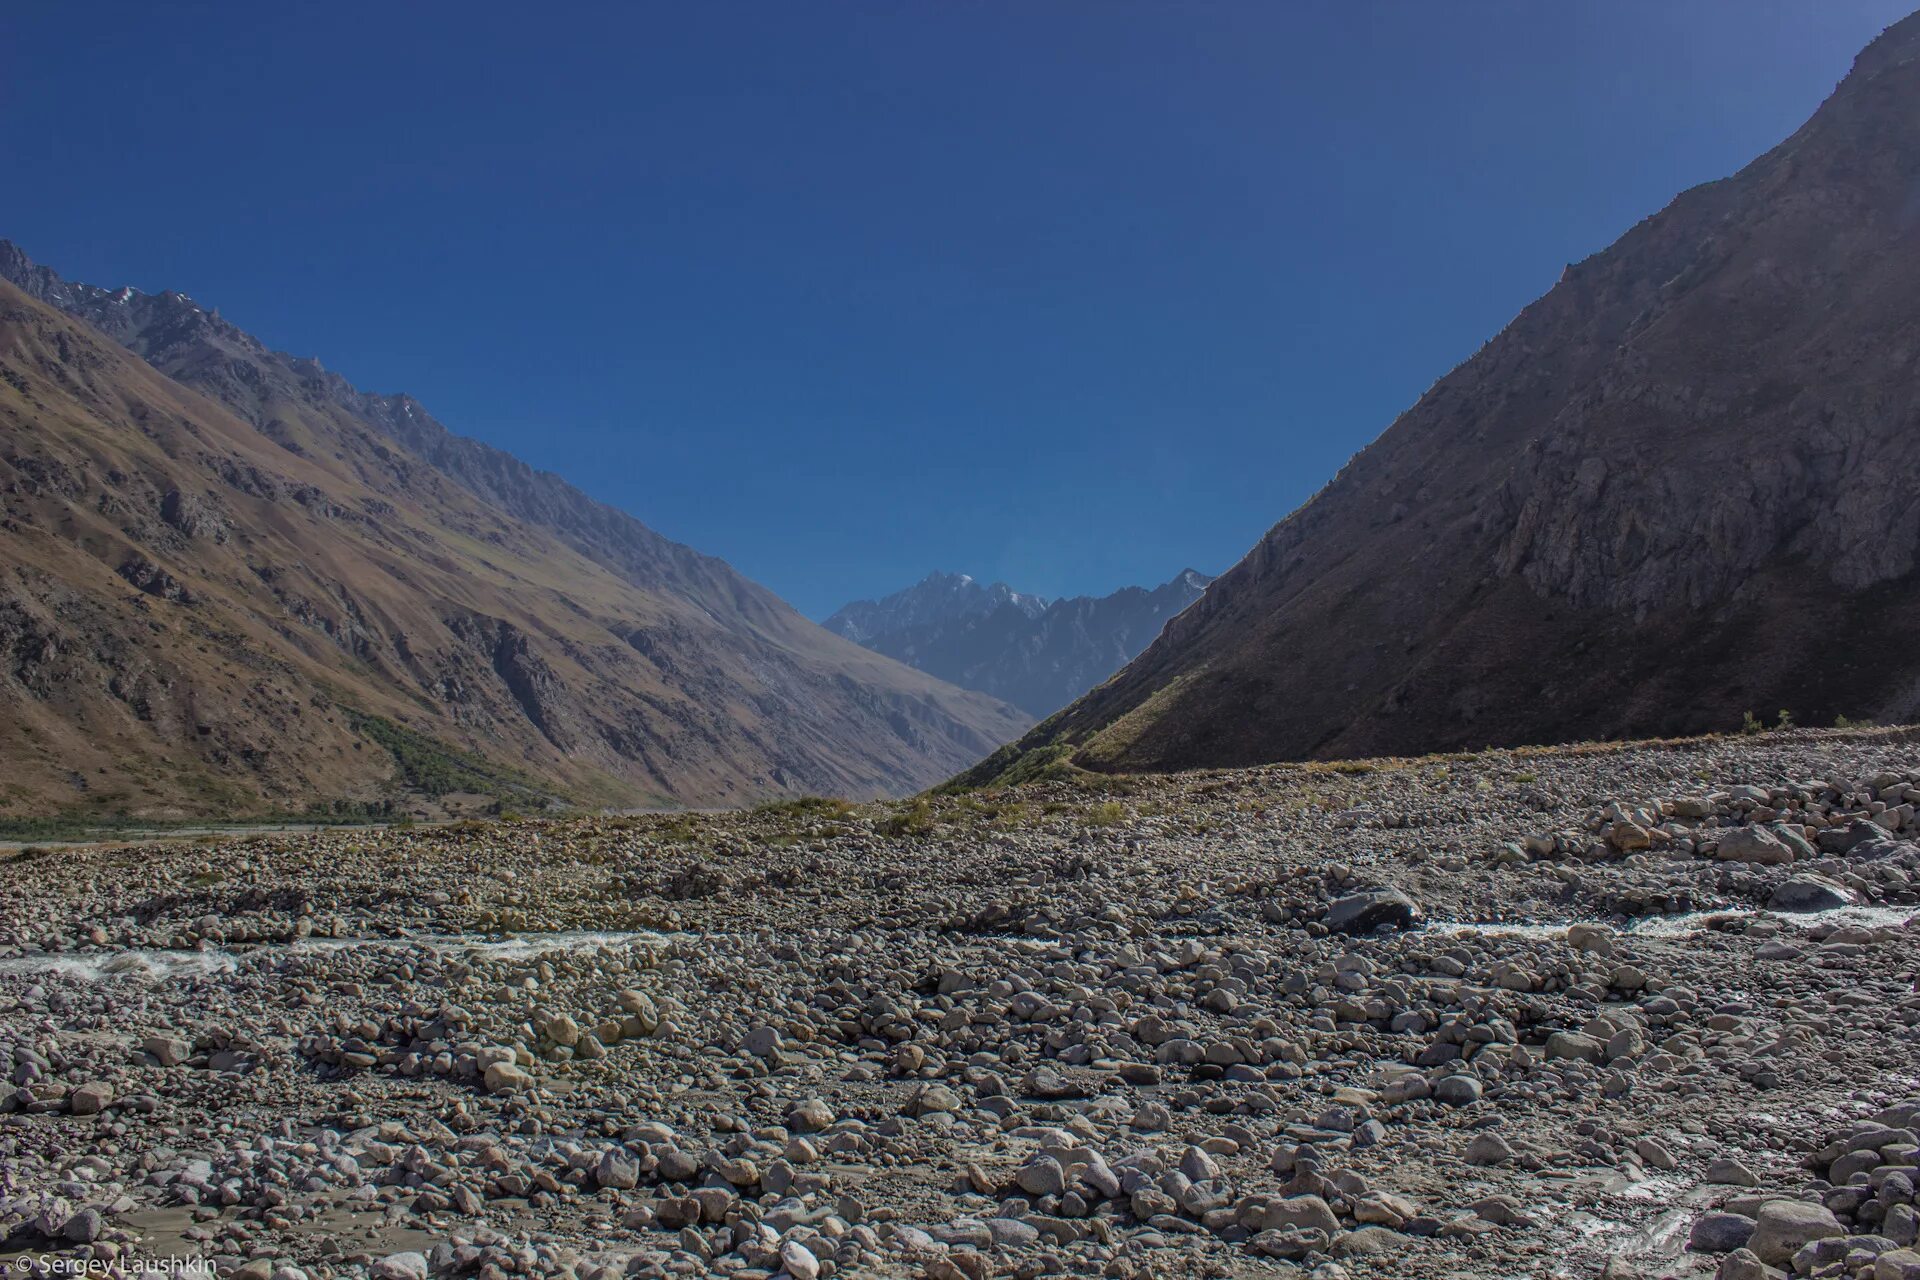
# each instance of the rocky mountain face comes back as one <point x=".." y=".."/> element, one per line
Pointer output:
<point x="937" y="600"/>
<point x="230" y="582"/>
<point x="1681" y="486"/>
<point x="1037" y="654"/>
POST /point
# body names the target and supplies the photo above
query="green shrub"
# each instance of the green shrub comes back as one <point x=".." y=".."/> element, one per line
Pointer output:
<point x="430" y="765"/>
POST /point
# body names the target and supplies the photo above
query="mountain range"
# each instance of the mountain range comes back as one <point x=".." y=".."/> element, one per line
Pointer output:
<point x="1037" y="654"/>
<point x="1681" y="488"/>
<point x="1677" y="492"/>
<point x="231" y="582"/>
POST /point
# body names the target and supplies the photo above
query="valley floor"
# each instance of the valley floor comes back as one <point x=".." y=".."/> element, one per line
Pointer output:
<point x="1629" y="1008"/>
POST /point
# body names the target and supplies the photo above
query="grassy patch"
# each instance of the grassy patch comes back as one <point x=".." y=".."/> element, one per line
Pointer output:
<point x="1109" y="745"/>
<point x="914" y="820"/>
<point x="1015" y="813"/>
<point x="1010" y="767"/>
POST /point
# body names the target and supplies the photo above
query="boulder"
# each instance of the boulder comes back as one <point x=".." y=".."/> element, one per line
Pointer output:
<point x="1302" y="1213"/>
<point x="1757" y="845"/>
<point x="400" y="1266"/>
<point x="1720" y="1233"/>
<point x="1843" y="839"/>
<point x="1742" y="1264"/>
<point x="1628" y="837"/>
<point x="1808" y="892"/>
<point x="798" y="1261"/>
<point x="1596" y="938"/>
<point x="1488" y="1149"/>
<point x="84" y="1227"/>
<point x="1575" y="1046"/>
<point x="1371" y="909"/>
<point x="1897" y="1264"/>
<point x="617" y="1171"/>
<point x="1783" y="1227"/>
<point x="505" y="1077"/>
<point x="168" y="1051"/>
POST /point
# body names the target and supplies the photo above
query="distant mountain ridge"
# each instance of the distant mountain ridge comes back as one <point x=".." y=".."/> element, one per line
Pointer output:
<point x="937" y="599"/>
<point x="1035" y="653"/>
<point x="199" y="348"/>
<point x="232" y="582"/>
<point x="1680" y="487"/>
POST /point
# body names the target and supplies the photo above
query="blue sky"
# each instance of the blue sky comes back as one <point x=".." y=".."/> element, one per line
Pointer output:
<point x="1070" y="294"/>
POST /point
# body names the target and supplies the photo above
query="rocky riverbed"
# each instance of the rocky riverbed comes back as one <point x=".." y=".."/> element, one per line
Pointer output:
<point x="1606" y="1011"/>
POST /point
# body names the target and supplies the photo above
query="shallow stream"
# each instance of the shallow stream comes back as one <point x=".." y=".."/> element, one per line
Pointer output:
<point x="155" y="964"/>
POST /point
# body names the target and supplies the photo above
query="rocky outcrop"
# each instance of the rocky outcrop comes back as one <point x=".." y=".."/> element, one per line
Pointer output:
<point x="1678" y="488"/>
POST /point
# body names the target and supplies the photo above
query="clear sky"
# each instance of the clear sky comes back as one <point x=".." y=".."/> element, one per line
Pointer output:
<point x="1073" y="294"/>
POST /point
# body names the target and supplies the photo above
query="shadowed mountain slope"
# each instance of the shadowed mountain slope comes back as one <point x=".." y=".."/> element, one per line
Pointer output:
<point x="1683" y="485"/>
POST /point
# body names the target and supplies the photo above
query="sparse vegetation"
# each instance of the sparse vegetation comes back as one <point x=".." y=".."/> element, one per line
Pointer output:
<point x="83" y="824"/>
<point x="348" y="810"/>
<point x="429" y="765"/>
<point x="804" y="807"/>
<point x="1010" y="767"/>
<point x="1013" y="814"/>
<point x="914" y="820"/>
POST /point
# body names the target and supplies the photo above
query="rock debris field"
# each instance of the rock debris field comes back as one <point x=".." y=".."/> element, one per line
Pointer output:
<point x="1604" y="1011"/>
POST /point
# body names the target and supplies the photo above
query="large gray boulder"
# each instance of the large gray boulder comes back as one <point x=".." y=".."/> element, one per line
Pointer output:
<point x="410" y="1265"/>
<point x="1844" y="839"/>
<point x="1720" y="1233"/>
<point x="1370" y="909"/>
<point x="1784" y="1227"/>
<point x="1808" y="892"/>
<point x="1754" y="844"/>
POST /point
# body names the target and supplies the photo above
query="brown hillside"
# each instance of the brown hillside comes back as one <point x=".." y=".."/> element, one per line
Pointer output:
<point x="199" y="613"/>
